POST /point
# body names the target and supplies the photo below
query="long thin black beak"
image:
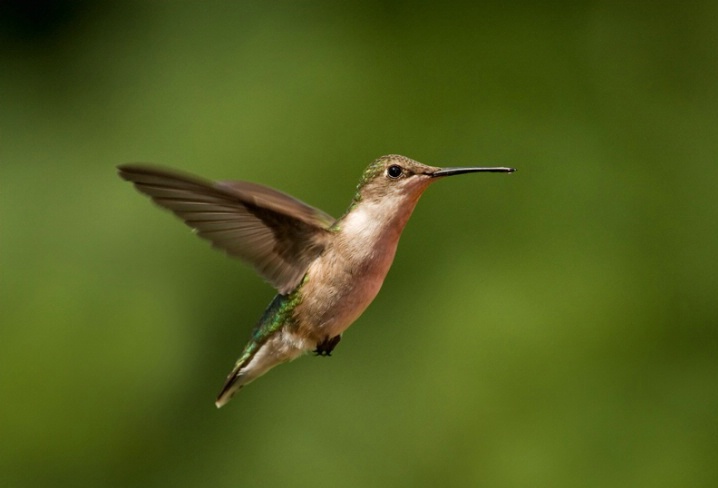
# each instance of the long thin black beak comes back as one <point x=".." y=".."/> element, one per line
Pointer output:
<point x="461" y="171"/>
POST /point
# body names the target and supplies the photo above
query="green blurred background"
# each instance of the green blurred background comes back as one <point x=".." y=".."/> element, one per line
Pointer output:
<point x="557" y="327"/>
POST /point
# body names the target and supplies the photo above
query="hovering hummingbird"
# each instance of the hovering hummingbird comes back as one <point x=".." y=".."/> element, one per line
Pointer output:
<point x="327" y="271"/>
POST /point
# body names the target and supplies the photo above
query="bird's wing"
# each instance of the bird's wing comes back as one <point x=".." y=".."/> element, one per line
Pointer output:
<point x="277" y="234"/>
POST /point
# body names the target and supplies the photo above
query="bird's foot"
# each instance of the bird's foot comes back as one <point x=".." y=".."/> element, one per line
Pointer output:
<point x="326" y="347"/>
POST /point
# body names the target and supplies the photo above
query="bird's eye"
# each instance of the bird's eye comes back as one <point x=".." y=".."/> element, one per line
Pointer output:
<point x="394" y="171"/>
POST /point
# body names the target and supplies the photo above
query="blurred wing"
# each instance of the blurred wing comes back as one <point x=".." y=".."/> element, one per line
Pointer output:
<point x="277" y="234"/>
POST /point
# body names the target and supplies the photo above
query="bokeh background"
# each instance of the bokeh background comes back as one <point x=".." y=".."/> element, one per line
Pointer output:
<point x="556" y="327"/>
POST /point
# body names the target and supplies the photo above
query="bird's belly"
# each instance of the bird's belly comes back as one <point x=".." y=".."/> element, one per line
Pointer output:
<point x="333" y="301"/>
<point x="348" y="307"/>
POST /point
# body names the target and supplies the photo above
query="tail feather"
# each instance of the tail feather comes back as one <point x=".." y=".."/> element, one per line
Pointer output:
<point x="231" y="386"/>
<point x="257" y="359"/>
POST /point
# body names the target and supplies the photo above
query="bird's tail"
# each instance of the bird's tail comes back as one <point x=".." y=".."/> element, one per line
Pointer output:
<point x="231" y="386"/>
<point x="257" y="359"/>
<point x="243" y="373"/>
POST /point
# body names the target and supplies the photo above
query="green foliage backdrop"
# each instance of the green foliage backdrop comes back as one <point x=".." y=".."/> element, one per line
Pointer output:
<point x="557" y="327"/>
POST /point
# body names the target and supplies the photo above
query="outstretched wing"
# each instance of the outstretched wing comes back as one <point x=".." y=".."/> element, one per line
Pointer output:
<point x="277" y="234"/>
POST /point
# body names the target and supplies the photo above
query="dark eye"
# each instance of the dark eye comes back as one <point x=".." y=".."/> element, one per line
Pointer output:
<point x="394" y="171"/>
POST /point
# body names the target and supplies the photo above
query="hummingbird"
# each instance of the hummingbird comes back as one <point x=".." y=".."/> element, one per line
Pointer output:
<point x="326" y="271"/>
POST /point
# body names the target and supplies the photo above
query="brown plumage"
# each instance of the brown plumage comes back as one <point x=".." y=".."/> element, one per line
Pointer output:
<point x="274" y="232"/>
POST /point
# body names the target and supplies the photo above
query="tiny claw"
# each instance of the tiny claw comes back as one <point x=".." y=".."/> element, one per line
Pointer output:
<point x="326" y="347"/>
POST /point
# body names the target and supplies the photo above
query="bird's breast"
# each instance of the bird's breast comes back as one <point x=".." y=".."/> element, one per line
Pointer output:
<point x="342" y="283"/>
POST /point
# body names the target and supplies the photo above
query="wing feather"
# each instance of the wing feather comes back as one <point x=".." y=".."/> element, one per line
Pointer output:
<point x="275" y="233"/>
